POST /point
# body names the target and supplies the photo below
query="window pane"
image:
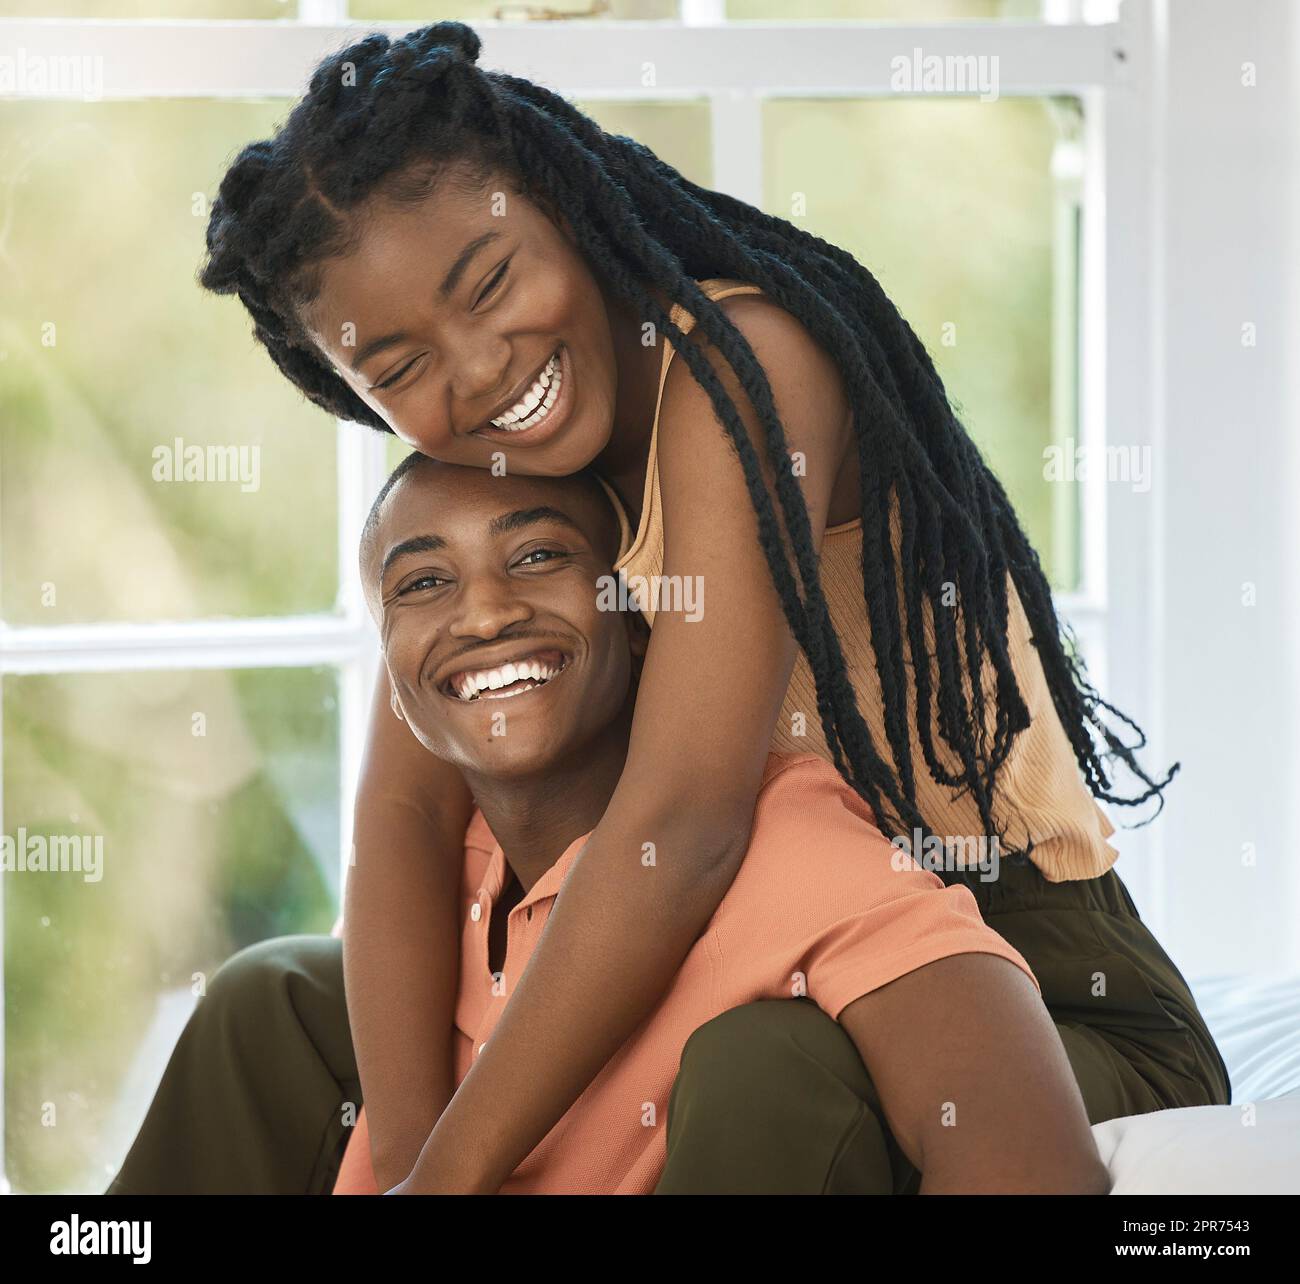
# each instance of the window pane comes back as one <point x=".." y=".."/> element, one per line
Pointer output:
<point x="677" y="132"/>
<point x="148" y="8"/>
<point x="120" y="379"/>
<point x="478" y="10"/>
<point x="885" y="10"/>
<point x="952" y="205"/>
<point x="397" y="451"/>
<point x="212" y="799"/>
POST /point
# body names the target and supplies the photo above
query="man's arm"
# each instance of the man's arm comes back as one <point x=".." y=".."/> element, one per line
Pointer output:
<point x="401" y="936"/>
<point x="974" y="1081"/>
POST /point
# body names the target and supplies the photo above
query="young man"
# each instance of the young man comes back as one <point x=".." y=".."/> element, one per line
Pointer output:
<point x="488" y="594"/>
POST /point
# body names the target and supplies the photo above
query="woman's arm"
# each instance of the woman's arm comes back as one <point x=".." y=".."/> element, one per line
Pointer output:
<point x="999" y="1112"/>
<point x="401" y="936"/>
<point x="709" y="696"/>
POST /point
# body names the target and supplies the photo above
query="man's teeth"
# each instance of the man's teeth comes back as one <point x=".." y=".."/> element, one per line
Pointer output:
<point x="468" y="685"/>
<point x="537" y="401"/>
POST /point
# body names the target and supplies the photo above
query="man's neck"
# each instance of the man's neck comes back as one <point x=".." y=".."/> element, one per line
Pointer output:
<point x="535" y="818"/>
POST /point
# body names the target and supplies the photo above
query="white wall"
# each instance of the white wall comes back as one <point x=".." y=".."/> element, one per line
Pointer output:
<point x="1229" y="217"/>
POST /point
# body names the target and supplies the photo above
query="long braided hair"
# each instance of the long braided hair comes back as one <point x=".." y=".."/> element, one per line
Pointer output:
<point x="395" y="115"/>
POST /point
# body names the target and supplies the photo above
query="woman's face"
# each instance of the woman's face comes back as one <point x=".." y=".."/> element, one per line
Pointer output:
<point x="470" y="308"/>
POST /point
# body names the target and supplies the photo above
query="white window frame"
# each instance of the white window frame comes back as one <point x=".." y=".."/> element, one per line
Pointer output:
<point x="1113" y="66"/>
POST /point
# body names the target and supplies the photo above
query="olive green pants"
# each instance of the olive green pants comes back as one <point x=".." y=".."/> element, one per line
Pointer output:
<point x="770" y="1098"/>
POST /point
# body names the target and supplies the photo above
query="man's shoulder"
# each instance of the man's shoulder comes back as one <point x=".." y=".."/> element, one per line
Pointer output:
<point x="815" y="852"/>
<point x="784" y="772"/>
<point x="807" y="791"/>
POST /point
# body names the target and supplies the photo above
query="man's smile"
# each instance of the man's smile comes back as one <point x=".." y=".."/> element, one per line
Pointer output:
<point x="525" y="668"/>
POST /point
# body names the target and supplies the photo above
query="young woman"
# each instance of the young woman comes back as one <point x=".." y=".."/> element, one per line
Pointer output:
<point x="462" y="258"/>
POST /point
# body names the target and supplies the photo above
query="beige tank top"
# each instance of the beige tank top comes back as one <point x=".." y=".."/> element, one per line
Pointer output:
<point x="1041" y="792"/>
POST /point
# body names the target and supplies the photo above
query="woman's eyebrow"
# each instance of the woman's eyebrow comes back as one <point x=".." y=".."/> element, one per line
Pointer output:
<point x="457" y="269"/>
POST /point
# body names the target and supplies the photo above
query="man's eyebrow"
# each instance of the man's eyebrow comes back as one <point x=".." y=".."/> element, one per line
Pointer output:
<point x="522" y="517"/>
<point x="501" y="525"/>
<point x="449" y="283"/>
<point x="416" y="544"/>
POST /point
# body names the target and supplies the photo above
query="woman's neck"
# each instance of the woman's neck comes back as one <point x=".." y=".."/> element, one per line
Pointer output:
<point x="623" y="461"/>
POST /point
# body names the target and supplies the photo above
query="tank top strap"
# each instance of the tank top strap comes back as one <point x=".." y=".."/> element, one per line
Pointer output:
<point x="650" y="528"/>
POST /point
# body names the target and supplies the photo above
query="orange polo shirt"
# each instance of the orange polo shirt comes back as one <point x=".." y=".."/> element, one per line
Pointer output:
<point x="817" y="908"/>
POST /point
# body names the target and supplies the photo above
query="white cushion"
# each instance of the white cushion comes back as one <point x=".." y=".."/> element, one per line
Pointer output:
<point x="1247" y="1149"/>
<point x="1251" y="1147"/>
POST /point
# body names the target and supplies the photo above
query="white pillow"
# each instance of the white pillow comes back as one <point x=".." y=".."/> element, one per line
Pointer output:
<point x="1245" y="1149"/>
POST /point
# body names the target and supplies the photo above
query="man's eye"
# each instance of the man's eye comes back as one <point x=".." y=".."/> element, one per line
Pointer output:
<point x="545" y="554"/>
<point x="423" y="582"/>
<point x="493" y="283"/>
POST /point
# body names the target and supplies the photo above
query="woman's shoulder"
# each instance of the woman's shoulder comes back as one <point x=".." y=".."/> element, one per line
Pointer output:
<point x="806" y="382"/>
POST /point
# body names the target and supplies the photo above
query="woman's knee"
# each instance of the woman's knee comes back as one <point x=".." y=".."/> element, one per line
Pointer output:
<point x="769" y="1046"/>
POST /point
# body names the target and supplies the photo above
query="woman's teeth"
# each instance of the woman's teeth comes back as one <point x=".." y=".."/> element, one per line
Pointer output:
<point x="537" y="401"/>
<point x="521" y="675"/>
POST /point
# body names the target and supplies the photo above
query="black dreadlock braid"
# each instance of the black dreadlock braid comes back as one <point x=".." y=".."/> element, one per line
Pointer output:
<point x="395" y="116"/>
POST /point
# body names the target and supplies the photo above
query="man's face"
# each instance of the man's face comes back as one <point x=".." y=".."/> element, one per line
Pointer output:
<point x="471" y="306"/>
<point x="485" y="592"/>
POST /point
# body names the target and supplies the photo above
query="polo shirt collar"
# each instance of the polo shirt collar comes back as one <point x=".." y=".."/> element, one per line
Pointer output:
<point x="546" y="887"/>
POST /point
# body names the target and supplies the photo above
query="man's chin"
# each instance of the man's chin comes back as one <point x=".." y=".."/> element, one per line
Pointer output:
<point x="511" y="764"/>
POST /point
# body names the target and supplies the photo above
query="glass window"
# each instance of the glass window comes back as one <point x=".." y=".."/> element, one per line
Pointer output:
<point x="154" y="463"/>
<point x="480" y="10"/>
<point x="677" y="132"/>
<point x="951" y="204"/>
<point x="884" y="10"/>
<point x="209" y="799"/>
<point x="146" y="9"/>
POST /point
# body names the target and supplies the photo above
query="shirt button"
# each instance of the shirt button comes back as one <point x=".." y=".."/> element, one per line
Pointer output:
<point x="475" y="912"/>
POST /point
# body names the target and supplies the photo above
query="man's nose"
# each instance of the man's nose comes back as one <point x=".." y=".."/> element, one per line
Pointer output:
<point x="487" y="606"/>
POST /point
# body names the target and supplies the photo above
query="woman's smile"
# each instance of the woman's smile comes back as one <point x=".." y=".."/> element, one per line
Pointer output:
<point x="547" y="406"/>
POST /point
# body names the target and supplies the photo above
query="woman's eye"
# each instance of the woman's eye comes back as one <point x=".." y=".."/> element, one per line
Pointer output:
<point x="393" y="378"/>
<point x="493" y="283"/>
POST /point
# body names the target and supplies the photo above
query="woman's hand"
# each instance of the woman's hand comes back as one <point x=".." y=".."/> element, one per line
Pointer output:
<point x="436" y="1173"/>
